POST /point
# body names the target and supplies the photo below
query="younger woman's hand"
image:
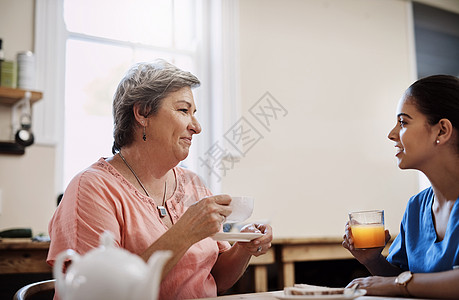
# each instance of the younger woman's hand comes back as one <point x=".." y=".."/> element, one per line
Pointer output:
<point x="377" y="285"/>
<point x="364" y="256"/>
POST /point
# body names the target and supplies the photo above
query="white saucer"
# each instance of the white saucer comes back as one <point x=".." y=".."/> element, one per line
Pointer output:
<point x="236" y="236"/>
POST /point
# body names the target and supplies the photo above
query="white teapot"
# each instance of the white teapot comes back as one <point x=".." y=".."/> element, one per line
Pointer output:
<point x="108" y="272"/>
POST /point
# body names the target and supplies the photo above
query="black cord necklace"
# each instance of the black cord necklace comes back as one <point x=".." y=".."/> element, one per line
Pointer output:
<point x="161" y="208"/>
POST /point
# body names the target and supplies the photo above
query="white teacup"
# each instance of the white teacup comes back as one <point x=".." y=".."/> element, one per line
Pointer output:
<point x="242" y="208"/>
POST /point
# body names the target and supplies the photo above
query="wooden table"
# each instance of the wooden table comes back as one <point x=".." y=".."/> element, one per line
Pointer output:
<point x="272" y="295"/>
<point x="291" y="250"/>
<point x="260" y="265"/>
<point x="23" y="256"/>
<point x="286" y="251"/>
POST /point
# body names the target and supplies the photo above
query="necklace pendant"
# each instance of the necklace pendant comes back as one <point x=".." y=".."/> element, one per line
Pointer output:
<point x="162" y="211"/>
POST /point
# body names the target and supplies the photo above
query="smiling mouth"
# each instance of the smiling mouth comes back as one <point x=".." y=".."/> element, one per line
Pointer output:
<point x="399" y="150"/>
<point x="187" y="140"/>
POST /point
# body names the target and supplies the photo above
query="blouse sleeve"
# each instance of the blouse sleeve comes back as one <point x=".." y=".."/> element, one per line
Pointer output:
<point x="83" y="214"/>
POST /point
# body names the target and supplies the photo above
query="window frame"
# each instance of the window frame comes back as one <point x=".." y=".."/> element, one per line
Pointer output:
<point x="217" y="58"/>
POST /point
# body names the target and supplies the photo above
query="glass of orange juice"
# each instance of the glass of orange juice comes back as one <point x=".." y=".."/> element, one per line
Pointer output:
<point x="367" y="228"/>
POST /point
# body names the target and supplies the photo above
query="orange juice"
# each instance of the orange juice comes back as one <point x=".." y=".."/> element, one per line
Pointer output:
<point x="368" y="235"/>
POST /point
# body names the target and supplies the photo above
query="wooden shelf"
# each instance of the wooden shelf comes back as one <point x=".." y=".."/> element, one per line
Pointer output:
<point x="9" y="96"/>
<point x="11" y="148"/>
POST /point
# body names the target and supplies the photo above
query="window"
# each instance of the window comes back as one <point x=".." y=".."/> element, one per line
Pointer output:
<point x="84" y="47"/>
<point x="104" y="38"/>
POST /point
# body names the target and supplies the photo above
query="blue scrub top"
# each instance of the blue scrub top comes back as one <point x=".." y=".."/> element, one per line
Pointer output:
<point x="416" y="247"/>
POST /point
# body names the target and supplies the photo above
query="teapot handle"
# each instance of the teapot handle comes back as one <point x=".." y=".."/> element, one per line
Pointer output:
<point x="58" y="268"/>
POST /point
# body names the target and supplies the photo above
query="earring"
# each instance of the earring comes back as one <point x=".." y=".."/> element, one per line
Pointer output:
<point x="438" y="141"/>
<point x="144" y="137"/>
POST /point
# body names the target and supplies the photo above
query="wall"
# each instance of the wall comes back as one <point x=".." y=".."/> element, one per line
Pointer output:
<point x="338" y="67"/>
<point x="26" y="181"/>
<point x="449" y="5"/>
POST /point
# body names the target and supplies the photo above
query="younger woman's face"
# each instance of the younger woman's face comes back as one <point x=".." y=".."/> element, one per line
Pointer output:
<point x="414" y="137"/>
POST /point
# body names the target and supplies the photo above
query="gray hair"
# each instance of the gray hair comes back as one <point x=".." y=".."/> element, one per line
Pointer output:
<point x="145" y="84"/>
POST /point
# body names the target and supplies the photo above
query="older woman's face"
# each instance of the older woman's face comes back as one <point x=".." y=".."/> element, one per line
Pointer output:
<point x="172" y="128"/>
<point x="414" y="137"/>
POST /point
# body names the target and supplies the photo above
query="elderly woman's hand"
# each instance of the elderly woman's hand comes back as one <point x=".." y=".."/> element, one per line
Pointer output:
<point x="205" y="217"/>
<point x="259" y="245"/>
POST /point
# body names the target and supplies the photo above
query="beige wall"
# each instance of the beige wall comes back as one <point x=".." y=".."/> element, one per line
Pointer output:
<point x="26" y="181"/>
<point x="27" y="184"/>
<point x="338" y="67"/>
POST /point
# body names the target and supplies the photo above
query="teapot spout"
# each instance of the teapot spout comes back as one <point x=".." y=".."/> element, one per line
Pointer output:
<point x="149" y="288"/>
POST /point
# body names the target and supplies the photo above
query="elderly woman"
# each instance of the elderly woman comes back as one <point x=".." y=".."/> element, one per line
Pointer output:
<point x="141" y="196"/>
<point x="424" y="257"/>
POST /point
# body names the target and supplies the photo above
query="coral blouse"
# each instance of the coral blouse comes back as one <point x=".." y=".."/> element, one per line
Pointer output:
<point x="100" y="198"/>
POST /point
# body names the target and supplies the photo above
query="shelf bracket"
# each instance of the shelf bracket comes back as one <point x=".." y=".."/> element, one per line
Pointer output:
<point x="20" y="110"/>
